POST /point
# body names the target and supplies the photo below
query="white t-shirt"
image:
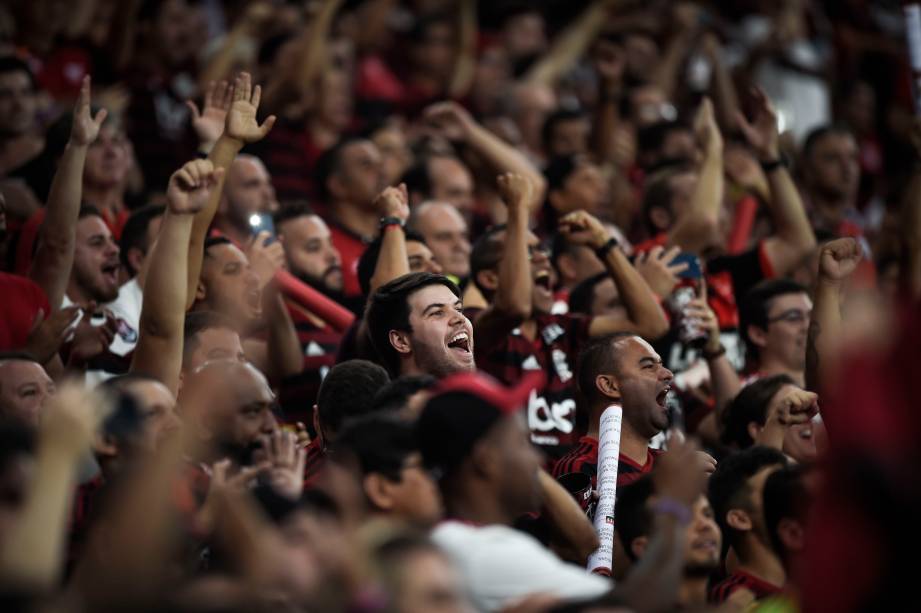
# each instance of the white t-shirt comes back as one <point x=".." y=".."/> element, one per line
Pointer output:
<point x="502" y="565"/>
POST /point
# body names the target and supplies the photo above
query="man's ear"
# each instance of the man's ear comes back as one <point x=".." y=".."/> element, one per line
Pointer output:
<point x="754" y="430"/>
<point x="488" y="279"/>
<point x="379" y="490"/>
<point x="104" y="445"/>
<point x="660" y="218"/>
<point x="200" y="291"/>
<point x="638" y="546"/>
<point x="399" y="340"/>
<point x="757" y="334"/>
<point x="608" y="386"/>
<point x="739" y="520"/>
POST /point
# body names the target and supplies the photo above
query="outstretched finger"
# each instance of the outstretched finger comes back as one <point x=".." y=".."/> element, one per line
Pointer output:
<point x="209" y="94"/>
<point x="266" y="126"/>
<point x="193" y="108"/>
<point x="257" y="96"/>
<point x="671" y="254"/>
<point x="678" y="268"/>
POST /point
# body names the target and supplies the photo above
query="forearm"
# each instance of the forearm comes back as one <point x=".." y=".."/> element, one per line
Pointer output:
<point x="824" y="328"/>
<point x="695" y="230"/>
<point x="284" y="348"/>
<point x="393" y="261"/>
<point x="570" y="45"/>
<point x="788" y="212"/>
<point x="567" y="518"/>
<point x="502" y="157"/>
<point x="725" y="97"/>
<point x="666" y="74"/>
<point x="513" y="294"/>
<point x="725" y="383"/>
<point x="315" y="50"/>
<point x="653" y="583"/>
<point x="220" y="65"/>
<point x="465" y="66"/>
<point x="57" y="237"/>
<point x="33" y="550"/>
<point x="607" y="118"/>
<point x="644" y="313"/>
<point x="159" y="349"/>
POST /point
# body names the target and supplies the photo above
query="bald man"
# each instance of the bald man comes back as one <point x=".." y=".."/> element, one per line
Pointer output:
<point x="24" y="388"/>
<point x="247" y="191"/>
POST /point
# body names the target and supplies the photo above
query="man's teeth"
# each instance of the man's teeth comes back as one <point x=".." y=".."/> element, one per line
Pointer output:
<point x="460" y="336"/>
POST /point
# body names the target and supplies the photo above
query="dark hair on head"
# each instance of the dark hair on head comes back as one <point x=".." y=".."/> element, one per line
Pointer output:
<point x="817" y="134"/>
<point x="17" y="439"/>
<point x="391" y="556"/>
<point x="559" y="169"/>
<point x="347" y="392"/>
<point x="268" y="50"/>
<point x="417" y="178"/>
<point x="634" y="518"/>
<point x="394" y="396"/>
<point x="330" y="163"/>
<point x="214" y="241"/>
<point x="785" y="497"/>
<point x="121" y="382"/>
<point x="750" y="405"/>
<point x="88" y="210"/>
<point x="22" y="356"/>
<point x="376" y="443"/>
<point x="197" y="322"/>
<point x="583" y="294"/>
<point x="553" y="120"/>
<point x="599" y="356"/>
<point x="11" y="63"/>
<point x="755" y="304"/>
<point x="389" y="310"/>
<point x="728" y="489"/>
<point x="134" y="233"/>
<point x="291" y="210"/>
<point x="659" y="193"/>
<point x="368" y="260"/>
<point x="485" y="255"/>
<point x="422" y="24"/>
<point x="652" y="138"/>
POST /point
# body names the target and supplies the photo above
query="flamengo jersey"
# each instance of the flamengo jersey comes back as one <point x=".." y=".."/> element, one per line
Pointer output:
<point x="551" y="410"/>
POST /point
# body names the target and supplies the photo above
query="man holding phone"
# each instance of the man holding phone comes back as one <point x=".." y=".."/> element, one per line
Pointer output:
<point x="248" y="197"/>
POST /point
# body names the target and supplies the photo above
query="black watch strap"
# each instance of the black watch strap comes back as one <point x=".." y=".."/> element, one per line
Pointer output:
<point x="602" y="251"/>
<point x="772" y="165"/>
<point x="391" y="221"/>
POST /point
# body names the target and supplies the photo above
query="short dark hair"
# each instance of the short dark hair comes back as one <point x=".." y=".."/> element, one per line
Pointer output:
<point x="389" y="310"/>
<point x="134" y="232"/>
<point x="727" y="487"/>
<point x="121" y="382"/>
<point x="23" y="356"/>
<point x="553" y="120"/>
<point x="395" y="395"/>
<point x="485" y="255"/>
<point x="11" y="63"/>
<point x="88" y="210"/>
<point x="633" y="516"/>
<point x="214" y="241"/>
<point x="197" y="322"/>
<point x="559" y="169"/>
<point x="753" y="309"/>
<point x="368" y="260"/>
<point x="377" y="443"/>
<point x="292" y="210"/>
<point x="651" y="138"/>
<point x="347" y="392"/>
<point x="598" y="356"/>
<point x="785" y="496"/>
<point x="817" y="134"/>
<point x="417" y="178"/>
<point x="583" y="294"/>
<point x="659" y="193"/>
<point x="330" y="162"/>
<point x="750" y="405"/>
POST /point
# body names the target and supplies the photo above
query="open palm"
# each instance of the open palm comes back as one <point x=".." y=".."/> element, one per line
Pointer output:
<point x="85" y="127"/>
<point x="241" y="123"/>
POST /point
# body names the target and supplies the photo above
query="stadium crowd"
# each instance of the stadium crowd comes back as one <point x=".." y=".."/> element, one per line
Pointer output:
<point x="322" y="305"/>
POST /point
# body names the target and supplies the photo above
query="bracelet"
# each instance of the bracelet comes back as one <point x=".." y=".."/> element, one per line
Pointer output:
<point x="712" y="355"/>
<point x="602" y="251"/>
<point x="670" y="506"/>
<point x="386" y="222"/>
<point x="772" y="165"/>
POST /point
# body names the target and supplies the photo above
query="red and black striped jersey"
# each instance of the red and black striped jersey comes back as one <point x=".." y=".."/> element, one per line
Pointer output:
<point x="741" y="579"/>
<point x="551" y="410"/>
<point x="297" y="394"/>
<point x="313" y="466"/>
<point x="584" y="459"/>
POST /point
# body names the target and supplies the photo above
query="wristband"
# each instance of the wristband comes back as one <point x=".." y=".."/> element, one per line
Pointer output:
<point x="670" y="506"/>
<point x="602" y="251"/>
<point x="712" y="355"/>
<point x="772" y="165"/>
<point x="386" y="222"/>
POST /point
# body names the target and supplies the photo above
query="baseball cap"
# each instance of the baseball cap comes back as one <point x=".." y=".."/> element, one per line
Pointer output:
<point x="462" y="409"/>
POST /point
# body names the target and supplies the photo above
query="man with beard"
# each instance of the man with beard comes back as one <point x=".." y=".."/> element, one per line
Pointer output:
<point x="311" y="256"/>
<point x="701" y="545"/>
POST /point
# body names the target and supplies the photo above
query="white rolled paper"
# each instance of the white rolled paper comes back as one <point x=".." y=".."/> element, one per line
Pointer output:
<point x="601" y="561"/>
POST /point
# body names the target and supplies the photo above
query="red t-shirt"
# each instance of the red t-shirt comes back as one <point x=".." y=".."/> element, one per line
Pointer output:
<point x="741" y="579"/>
<point x="22" y="300"/>
<point x="313" y="466"/>
<point x="584" y="459"/>
<point x="350" y="246"/>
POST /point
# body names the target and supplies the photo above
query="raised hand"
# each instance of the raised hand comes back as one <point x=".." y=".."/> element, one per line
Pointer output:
<point x="677" y="473"/>
<point x="49" y="333"/>
<point x="839" y="258"/>
<point x="265" y="259"/>
<point x="794" y="407"/>
<point x="451" y="119"/>
<point x="761" y="133"/>
<point x="191" y="185"/>
<point x="393" y="202"/>
<point x="657" y="270"/>
<point x="515" y="189"/>
<point x="241" y="123"/>
<point x="73" y="417"/>
<point x="700" y="311"/>
<point x="209" y="123"/>
<point x="582" y="228"/>
<point x="706" y="129"/>
<point x="89" y="340"/>
<point x="287" y="459"/>
<point x="610" y="63"/>
<point x="85" y="127"/>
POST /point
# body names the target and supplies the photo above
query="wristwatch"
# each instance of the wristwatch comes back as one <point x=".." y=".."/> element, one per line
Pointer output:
<point x="772" y="165"/>
<point x="602" y="251"/>
<point x="391" y="221"/>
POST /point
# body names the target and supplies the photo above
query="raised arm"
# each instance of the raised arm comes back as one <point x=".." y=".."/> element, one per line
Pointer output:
<point x="457" y="124"/>
<point x="610" y="63"/>
<point x="838" y="259"/>
<point x="724" y="380"/>
<point x="570" y="45"/>
<point x="573" y="533"/>
<point x="159" y="348"/>
<point x="696" y="228"/>
<point x="393" y="261"/>
<point x="465" y="65"/>
<point x="793" y="239"/>
<point x="644" y="315"/>
<point x="511" y="304"/>
<point x="57" y="236"/>
<point x="240" y="128"/>
<point x="722" y="86"/>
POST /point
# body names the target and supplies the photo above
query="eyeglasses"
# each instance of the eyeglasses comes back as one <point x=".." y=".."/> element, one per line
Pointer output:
<point x="793" y="316"/>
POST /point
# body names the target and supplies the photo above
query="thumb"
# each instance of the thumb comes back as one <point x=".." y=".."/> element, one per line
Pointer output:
<point x="194" y="108"/>
<point x="266" y="126"/>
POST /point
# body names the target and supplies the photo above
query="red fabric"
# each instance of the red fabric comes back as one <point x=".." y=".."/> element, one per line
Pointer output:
<point x="337" y="316"/>
<point x="350" y="247"/>
<point x="584" y="459"/>
<point x="742" y="223"/>
<point x="22" y="300"/>
<point x="659" y="240"/>
<point x="741" y="579"/>
<point x="313" y="467"/>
